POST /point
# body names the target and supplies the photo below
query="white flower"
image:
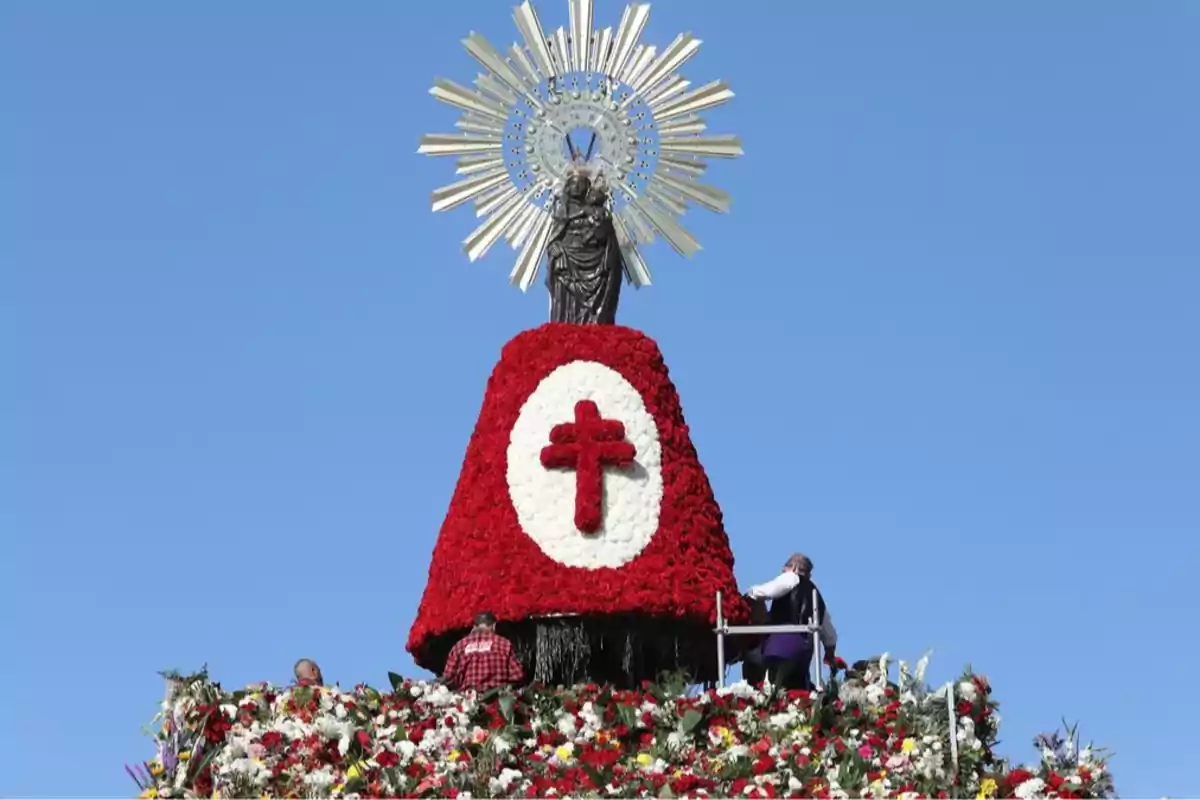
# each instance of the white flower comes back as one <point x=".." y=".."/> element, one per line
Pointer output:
<point x="589" y="716"/>
<point x="319" y="779"/>
<point x="786" y="720"/>
<point x="1030" y="788"/>
<point x="544" y="500"/>
<point x="331" y="728"/>
<point x="967" y="691"/>
<point x="566" y="724"/>
<point x="922" y="665"/>
<point x="250" y="769"/>
<point x="504" y="781"/>
<point x="739" y="689"/>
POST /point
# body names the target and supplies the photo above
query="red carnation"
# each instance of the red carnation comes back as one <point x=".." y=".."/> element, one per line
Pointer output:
<point x="1017" y="777"/>
<point x="582" y="517"/>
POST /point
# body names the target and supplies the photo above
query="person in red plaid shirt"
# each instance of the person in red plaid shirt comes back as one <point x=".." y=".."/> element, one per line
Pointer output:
<point x="482" y="659"/>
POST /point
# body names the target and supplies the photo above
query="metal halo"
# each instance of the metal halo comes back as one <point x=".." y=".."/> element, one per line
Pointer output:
<point x="531" y="106"/>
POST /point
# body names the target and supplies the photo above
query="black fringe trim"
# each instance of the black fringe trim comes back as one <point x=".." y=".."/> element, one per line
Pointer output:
<point x="620" y="651"/>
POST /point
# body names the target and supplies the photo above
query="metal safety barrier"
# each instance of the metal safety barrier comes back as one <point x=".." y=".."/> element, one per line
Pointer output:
<point x="724" y="629"/>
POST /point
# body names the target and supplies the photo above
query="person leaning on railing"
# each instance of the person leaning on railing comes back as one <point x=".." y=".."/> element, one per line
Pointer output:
<point x="785" y="657"/>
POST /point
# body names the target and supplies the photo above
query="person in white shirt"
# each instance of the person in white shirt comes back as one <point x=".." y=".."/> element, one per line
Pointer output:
<point x="786" y="656"/>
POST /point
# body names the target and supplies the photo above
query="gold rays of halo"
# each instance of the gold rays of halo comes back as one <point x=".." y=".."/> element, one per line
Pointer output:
<point x="653" y="147"/>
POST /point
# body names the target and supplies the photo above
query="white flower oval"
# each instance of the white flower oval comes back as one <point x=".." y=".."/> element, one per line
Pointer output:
<point x="544" y="499"/>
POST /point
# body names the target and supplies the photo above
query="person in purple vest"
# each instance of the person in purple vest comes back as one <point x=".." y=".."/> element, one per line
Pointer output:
<point x="786" y="657"/>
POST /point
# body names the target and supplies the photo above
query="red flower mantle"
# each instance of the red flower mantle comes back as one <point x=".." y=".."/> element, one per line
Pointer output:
<point x="484" y="560"/>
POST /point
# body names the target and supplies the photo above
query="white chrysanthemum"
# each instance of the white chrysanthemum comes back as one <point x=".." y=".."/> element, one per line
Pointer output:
<point x="566" y="724"/>
<point x="330" y="728"/>
<point x="248" y="769"/>
<point x="319" y="779"/>
<point x="1030" y="788"/>
<point x="784" y="721"/>
<point x="967" y="691"/>
<point x="291" y="728"/>
<point x="503" y="782"/>
<point x="875" y="694"/>
<point x="743" y="690"/>
<point x="544" y="500"/>
<point x="852" y="694"/>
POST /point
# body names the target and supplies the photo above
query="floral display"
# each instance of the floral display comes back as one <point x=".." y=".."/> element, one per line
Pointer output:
<point x="865" y="737"/>
<point x="556" y="501"/>
<point x="510" y="542"/>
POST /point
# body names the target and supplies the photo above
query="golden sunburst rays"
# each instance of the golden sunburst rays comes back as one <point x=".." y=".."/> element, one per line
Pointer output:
<point x="578" y="93"/>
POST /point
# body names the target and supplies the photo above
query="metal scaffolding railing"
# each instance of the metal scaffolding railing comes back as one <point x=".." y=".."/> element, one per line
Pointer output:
<point x="724" y="629"/>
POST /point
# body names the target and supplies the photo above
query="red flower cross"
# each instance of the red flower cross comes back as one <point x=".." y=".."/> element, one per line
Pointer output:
<point x="588" y="445"/>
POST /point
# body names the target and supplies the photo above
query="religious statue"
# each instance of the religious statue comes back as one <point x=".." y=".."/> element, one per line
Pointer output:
<point x="583" y="255"/>
<point x="599" y="487"/>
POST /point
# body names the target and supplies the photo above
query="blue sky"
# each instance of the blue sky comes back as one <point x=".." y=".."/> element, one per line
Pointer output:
<point x="941" y="343"/>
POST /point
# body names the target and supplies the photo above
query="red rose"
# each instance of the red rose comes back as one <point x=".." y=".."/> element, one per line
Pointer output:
<point x="486" y="558"/>
<point x="1017" y="777"/>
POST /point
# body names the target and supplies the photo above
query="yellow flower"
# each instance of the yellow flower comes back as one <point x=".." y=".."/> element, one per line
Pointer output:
<point x="726" y="736"/>
<point x="644" y="759"/>
<point x="149" y="793"/>
<point x="986" y="789"/>
<point x="337" y="787"/>
<point x="908" y="745"/>
<point x="216" y="795"/>
<point x="454" y="755"/>
<point x="353" y="772"/>
<point x="156" y="770"/>
<point x="564" y="753"/>
<point x="185" y="755"/>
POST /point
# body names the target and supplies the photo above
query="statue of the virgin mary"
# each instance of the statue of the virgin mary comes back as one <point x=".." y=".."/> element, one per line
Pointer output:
<point x="584" y="258"/>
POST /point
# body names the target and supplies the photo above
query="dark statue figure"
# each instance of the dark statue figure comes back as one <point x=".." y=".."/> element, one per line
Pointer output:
<point x="585" y="262"/>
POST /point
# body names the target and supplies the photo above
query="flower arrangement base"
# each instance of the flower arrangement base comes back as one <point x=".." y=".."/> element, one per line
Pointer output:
<point x="415" y="739"/>
<point x="582" y="518"/>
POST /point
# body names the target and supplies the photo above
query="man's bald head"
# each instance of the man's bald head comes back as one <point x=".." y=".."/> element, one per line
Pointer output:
<point x="799" y="564"/>
<point x="307" y="672"/>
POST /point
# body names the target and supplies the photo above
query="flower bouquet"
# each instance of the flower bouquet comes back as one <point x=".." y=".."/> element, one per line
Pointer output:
<point x="865" y="737"/>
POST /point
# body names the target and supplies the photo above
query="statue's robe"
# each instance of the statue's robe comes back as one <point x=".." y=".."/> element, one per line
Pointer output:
<point x="585" y="265"/>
